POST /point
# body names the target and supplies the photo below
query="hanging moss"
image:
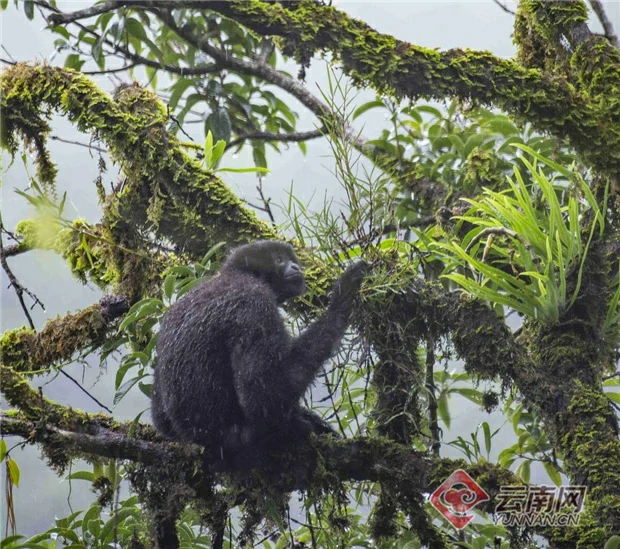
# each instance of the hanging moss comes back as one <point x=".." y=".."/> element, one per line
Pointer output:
<point x="198" y="210"/>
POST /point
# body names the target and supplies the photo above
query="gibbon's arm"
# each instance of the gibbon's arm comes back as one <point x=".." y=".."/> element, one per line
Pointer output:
<point x="319" y="341"/>
<point x="272" y="371"/>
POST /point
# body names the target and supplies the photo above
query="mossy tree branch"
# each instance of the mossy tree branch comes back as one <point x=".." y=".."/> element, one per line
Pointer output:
<point x="165" y="187"/>
<point x="557" y="369"/>
<point x="374" y="459"/>
<point x="162" y="189"/>
<point x="27" y="351"/>
<point x="551" y="103"/>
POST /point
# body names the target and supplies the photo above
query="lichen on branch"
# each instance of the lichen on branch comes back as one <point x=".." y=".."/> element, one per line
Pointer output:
<point x="165" y="188"/>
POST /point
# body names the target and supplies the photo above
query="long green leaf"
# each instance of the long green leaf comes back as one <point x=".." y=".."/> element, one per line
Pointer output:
<point x="553" y="165"/>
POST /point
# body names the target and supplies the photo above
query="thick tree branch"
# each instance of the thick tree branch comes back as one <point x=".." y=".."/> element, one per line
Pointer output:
<point x="15" y="249"/>
<point x="27" y="351"/>
<point x="374" y="459"/>
<point x="402" y="69"/>
<point x="155" y="163"/>
<point x="104" y="443"/>
<point x="98" y="9"/>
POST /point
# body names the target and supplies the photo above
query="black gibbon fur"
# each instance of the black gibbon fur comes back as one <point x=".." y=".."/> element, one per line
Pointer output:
<point x="228" y="374"/>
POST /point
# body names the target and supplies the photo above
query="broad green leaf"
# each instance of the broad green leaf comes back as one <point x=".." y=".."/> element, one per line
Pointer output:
<point x="134" y="424"/>
<point x="73" y="61"/>
<point x="135" y="28"/>
<point x="122" y="371"/>
<point x="487" y="437"/>
<point x="208" y="150"/>
<point x="366" y="107"/>
<point x="458" y="144"/>
<point x="81" y="475"/>
<point x="613" y="543"/>
<point x="523" y="470"/>
<point x="13" y="470"/>
<point x="258" y="154"/>
<point x="553" y="473"/>
<point x="8" y="541"/>
<point x="219" y="123"/>
<point x="472" y="142"/>
<point x="94" y="527"/>
<point x="436" y="113"/>
<point x="178" y="89"/>
<point x="614" y="397"/>
<point x="146" y="388"/>
<point x="29" y="9"/>
<point x="97" y="52"/>
<point x="125" y="388"/>
<point x="502" y="125"/>
<point x="169" y="283"/>
<point x="212" y="251"/>
<point x="218" y="151"/>
<point x="443" y="409"/>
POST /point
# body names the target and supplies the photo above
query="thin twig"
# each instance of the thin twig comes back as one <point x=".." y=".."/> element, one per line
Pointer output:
<point x="266" y="201"/>
<point x="610" y="34"/>
<point x="176" y="121"/>
<point x="79" y="144"/>
<point x="13" y="61"/>
<point x="112" y="71"/>
<point x="19" y="289"/>
<point x="504" y="7"/>
<point x="285" y="137"/>
<point x="84" y="390"/>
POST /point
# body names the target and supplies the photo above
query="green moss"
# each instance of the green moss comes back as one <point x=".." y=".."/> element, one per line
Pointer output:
<point x="401" y="69"/>
<point x="482" y="170"/>
<point x="165" y="190"/>
<point x="38" y="233"/>
<point x="28" y="351"/>
<point x="14" y="347"/>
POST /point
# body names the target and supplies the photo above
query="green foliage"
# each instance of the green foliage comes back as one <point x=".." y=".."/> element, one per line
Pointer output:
<point x="521" y="247"/>
<point x="213" y="154"/>
<point x="232" y="104"/>
<point x="94" y="529"/>
<point x="532" y="444"/>
<point x="524" y="243"/>
<point x="13" y="473"/>
<point x="613" y="543"/>
<point x="472" y="449"/>
<point x="448" y="384"/>
<point x="611" y="325"/>
<point x="464" y="151"/>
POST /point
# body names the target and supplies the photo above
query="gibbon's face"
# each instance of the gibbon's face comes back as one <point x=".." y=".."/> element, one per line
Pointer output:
<point x="289" y="281"/>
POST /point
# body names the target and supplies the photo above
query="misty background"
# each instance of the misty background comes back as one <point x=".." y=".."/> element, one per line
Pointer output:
<point x="42" y="495"/>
